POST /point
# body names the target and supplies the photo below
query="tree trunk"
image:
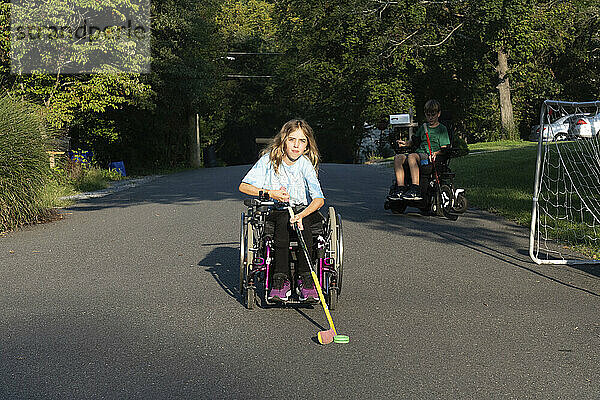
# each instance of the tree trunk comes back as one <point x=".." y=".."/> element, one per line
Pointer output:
<point x="195" y="149"/>
<point x="509" y="130"/>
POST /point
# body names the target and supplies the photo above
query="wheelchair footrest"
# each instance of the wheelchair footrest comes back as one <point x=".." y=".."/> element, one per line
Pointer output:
<point x="292" y="300"/>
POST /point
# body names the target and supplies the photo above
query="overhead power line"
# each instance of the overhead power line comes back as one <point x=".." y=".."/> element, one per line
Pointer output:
<point x="248" y="76"/>
<point x="241" y="53"/>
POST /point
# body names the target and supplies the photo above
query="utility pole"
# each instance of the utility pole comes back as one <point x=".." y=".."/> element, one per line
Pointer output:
<point x="196" y="150"/>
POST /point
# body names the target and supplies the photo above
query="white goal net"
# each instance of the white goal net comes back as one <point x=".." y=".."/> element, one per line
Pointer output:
<point x="565" y="220"/>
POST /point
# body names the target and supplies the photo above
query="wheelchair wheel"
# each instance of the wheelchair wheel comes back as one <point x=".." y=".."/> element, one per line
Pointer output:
<point x="336" y="251"/>
<point x="340" y="264"/>
<point x="460" y="204"/>
<point x="332" y="298"/>
<point x="246" y="253"/>
<point x="250" y="298"/>
<point x="242" y="253"/>
<point x="398" y="207"/>
<point x="446" y="203"/>
<point x="333" y="247"/>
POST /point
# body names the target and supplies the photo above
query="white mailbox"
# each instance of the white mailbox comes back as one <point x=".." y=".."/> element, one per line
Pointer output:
<point x="400" y="119"/>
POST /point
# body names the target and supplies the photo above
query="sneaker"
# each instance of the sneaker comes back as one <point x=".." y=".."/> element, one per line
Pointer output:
<point x="413" y="193"/>
<point x="306" y="289"/>
<point x="397" y="193"/>
<point x="281" y="289"/>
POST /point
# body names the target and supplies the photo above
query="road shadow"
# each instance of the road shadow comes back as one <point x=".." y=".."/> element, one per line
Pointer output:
<point x="358" y="200"/>
<point x="516" y="261"/>
<point x="220" y="264"/>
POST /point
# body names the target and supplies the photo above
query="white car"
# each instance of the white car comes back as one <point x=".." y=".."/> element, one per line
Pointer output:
<point x="557" y="130"/>
<point x="585" y="126"/>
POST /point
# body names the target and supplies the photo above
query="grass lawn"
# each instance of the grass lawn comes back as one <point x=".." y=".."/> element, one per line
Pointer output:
<point x="498" y="177"/>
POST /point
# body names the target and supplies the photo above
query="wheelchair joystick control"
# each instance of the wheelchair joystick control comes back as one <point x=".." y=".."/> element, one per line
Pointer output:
<point x="263" y="196"/>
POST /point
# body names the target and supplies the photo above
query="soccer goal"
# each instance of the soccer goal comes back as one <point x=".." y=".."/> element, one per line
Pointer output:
<point x="565" y="220"/>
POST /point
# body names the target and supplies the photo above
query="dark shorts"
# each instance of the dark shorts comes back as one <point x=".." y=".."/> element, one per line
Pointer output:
<point x="422" y="156"/>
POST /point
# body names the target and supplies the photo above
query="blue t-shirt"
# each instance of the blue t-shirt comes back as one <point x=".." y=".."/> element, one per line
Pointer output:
<point x="299" y="179"/>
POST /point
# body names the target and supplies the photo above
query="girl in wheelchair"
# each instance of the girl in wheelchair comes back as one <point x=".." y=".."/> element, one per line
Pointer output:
<point x="287" y="173"/>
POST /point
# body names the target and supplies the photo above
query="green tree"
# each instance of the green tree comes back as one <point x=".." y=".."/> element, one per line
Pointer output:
<point x="38" y="66"/>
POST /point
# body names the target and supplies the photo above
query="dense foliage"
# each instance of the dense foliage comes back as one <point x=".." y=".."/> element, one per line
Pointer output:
<point x="246" y="66"/>
<point x="24" y="168"/>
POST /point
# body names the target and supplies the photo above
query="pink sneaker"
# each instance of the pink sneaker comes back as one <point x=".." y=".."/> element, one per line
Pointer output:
<point x="281" y="289"/>
<point x="306" y="289"/>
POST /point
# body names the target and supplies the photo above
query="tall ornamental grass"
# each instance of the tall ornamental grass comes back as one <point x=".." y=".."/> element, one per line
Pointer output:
<point x="24" y="165"/>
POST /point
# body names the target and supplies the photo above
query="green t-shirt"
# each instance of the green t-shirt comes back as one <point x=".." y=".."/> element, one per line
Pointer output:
<point x="438" y="137"/>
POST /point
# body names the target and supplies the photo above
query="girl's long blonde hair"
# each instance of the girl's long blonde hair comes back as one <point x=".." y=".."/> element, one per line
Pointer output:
<point x="276" y="149"/>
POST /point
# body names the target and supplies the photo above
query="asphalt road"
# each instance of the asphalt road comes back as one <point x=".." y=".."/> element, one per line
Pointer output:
<point x="134" y="296"/>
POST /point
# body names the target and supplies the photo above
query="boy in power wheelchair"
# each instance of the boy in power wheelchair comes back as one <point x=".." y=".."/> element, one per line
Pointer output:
<point x="423" y="177"/>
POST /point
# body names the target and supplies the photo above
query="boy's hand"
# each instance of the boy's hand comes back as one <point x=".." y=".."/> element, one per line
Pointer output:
<point x="401" y="143"/>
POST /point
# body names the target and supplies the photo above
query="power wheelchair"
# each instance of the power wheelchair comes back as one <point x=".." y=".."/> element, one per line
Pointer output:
<point x="257" y="247"/>
<point x="436" y="181"/>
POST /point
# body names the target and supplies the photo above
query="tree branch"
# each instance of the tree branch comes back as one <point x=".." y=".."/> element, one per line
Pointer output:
<point x="396" y="44"/>
<point x="446" y="38"/>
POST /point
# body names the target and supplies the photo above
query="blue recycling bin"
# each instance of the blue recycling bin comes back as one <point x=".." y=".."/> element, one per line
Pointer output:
<point x="118" y="166"/>
<point x="81" y="156"/>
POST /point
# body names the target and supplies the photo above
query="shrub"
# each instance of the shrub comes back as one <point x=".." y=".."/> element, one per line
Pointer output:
<point x="24" y="164"/>
<point x="94" y="178"/>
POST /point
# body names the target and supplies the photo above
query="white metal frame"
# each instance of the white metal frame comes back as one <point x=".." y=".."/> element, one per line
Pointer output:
<point x="536" y="186"/>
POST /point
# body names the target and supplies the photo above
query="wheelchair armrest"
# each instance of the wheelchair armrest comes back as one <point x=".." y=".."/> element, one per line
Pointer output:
<point x="257" y="203"/>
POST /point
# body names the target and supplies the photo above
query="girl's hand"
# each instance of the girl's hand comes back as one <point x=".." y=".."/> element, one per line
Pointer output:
<point x="297" y="218"/>
<point x="280" y="195"/>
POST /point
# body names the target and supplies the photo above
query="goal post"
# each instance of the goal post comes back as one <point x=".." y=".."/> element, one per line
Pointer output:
<point x="565" y="218"/>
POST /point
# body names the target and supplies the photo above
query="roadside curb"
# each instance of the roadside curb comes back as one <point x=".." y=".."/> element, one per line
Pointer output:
<point x="115" y="187"/>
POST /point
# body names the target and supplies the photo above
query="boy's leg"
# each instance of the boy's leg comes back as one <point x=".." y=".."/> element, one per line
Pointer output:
<point x="414" y="192"/>
<point x="399" y="161"/>
<point x="413" y="163"/>
<point x="281" y="287"/>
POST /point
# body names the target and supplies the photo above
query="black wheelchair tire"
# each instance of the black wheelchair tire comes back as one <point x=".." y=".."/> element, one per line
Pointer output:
<point x="246" y="254"/>
<point x="438" y="202"/>
<point x="398" y="207"/>
<point x="340" y="266"/>
<point x="250" y="298"/>
<point x="332" y="298"/>
<point x="461" y="204"/>
<point x="447" y="202"/>
<point x="333" y="247"/>
<point x="242" y="254"/>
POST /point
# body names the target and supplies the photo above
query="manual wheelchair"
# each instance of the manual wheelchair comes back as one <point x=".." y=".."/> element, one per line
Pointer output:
<point x="436" y="181"/>
<point x="257" y="247"/>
